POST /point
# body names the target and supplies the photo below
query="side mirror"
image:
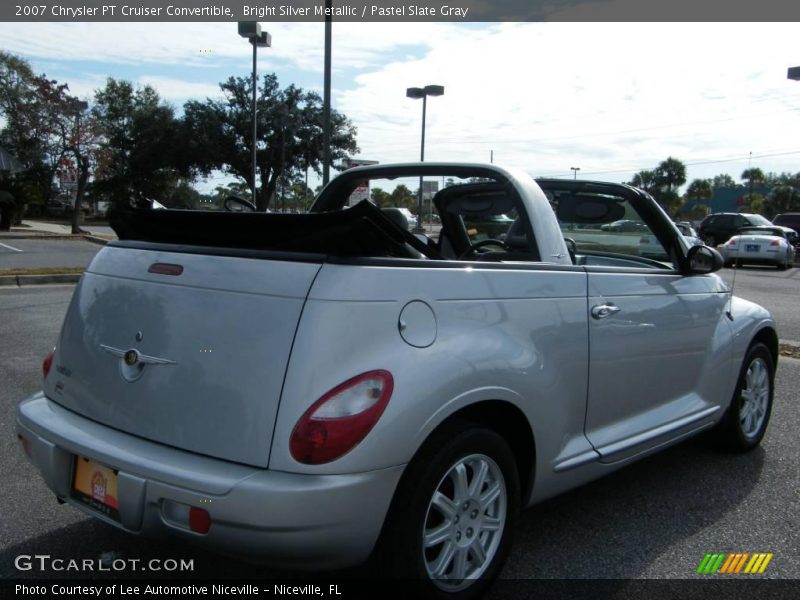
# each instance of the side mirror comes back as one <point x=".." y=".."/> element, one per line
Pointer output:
<point x="703" y="260"/>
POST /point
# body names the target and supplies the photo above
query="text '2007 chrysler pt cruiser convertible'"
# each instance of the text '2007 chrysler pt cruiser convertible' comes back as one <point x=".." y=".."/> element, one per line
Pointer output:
<point x="342" y="387"/>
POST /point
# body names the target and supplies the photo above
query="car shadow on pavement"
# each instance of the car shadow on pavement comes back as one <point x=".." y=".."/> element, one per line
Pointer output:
<point x="615" y="527"/>
<point x="611" y="528"/>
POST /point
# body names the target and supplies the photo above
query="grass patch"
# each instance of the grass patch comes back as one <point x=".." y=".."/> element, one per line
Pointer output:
<point x="43" y="271"/>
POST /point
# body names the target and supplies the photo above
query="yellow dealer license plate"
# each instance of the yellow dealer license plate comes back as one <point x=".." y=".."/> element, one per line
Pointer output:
<point x="96" y="486"/>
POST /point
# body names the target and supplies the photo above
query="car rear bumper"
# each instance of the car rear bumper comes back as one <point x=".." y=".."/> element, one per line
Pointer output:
<point x="755" y="258"/>
<point x="285" y="519"/>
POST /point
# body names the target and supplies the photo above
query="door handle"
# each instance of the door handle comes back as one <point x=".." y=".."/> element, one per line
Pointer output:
<point x="601" y="311"/>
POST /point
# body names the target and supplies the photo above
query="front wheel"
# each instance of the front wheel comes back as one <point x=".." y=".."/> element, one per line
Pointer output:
<point x="454" y="514"/>
<point x="746" y="420"/>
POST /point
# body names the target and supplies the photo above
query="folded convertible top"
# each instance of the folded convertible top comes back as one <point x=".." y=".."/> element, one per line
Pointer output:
<point x="361" y="230"/>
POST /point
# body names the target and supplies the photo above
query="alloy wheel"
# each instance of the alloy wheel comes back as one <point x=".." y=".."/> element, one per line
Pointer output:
<point x="755" y="398"/>
<point x="464" y="522"/>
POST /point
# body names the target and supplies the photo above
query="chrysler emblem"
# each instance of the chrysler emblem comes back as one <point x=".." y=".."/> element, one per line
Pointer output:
<point x="133" y="362"/>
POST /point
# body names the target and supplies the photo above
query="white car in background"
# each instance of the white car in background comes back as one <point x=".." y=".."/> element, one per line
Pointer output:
<point x="650" y="247"/>
<point x="410" y="218"/>
<point x="759" y="245"/>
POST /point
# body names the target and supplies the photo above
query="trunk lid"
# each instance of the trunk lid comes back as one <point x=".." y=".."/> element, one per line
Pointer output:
<point x="195" y="360"/>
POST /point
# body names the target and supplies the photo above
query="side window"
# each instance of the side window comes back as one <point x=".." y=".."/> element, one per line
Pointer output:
<point x="619" y="237"/>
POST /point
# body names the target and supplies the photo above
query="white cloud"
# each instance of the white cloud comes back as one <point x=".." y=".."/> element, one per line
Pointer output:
<point x="604" y="97"/>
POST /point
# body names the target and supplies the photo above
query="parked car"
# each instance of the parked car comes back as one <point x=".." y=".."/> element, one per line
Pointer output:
<point x="717" y="228"/>
<point x="623" y="225"/>
<point x="411" y="218"/>
<point x="760" y="245"/>
<point x="791" y="220"/>
<point x="312" y="389"/>
<point x="688" y="231"/>
<point x="650" y="247"/>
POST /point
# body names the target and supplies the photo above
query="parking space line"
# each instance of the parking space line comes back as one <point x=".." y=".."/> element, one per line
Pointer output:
<point x="10" y="247"/>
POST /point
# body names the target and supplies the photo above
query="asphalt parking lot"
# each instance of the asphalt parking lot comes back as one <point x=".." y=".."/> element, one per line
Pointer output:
<point x="34" y="253"/>
<point x="655" y="519"/>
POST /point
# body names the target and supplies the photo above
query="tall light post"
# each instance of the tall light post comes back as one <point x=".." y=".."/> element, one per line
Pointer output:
<point x="326" y="96"/>
<point x="259" y="39"/>
<point x="417" y="93"/>
<point x="575" y="172"/>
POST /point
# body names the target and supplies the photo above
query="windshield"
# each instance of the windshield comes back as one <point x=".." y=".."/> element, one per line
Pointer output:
<point x="759" y="220"/>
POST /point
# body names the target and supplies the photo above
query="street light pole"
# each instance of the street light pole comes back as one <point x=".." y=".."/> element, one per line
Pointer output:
<point x="326" y="99"/>
<point x="255" y="113"/>
<point x="416" y="93"/>
<point x="575" y="172"/>
<point x="252" y="31"/>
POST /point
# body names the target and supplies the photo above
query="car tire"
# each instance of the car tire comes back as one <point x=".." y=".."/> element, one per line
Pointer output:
<point x="709" y="240"/>
<point x="747" y="417"/>
<point x="451" y="522"/>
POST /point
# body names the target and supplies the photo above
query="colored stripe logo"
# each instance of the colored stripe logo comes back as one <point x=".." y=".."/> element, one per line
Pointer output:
<point x="734" y="563"/>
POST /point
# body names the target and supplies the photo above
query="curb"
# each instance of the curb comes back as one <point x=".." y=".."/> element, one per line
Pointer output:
<point x="95" y="239"/>
<point x="89" y="237"/>
<point x="24" y="280"/>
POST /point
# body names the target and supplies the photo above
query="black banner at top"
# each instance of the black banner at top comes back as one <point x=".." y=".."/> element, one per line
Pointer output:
<point x="398" y="10"/>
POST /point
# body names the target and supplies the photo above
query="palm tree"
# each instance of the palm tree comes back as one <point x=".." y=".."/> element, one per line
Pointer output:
<point x="753" y="177"/>
<point x="645" y="180"/>
<point x="701" y="190"/>
<point x="671" y="174"/>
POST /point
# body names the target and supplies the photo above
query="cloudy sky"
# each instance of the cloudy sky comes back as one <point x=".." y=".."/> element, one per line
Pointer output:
<point x="611" y="99"/>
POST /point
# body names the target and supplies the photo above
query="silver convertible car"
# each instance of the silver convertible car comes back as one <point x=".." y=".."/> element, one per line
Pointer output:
<point x="310" y="390"/>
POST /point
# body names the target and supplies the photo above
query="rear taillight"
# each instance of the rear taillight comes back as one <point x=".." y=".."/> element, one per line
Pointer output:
<point x="341" y="418"/>
<point x="732" y="242"/>
<point x="644" y="240"/>
<point x="775" y="243"/>
<point x="47" y="363"/>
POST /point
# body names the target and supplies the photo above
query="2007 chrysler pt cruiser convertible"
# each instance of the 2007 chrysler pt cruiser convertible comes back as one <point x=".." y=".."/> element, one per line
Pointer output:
<point x="337" y="384"/>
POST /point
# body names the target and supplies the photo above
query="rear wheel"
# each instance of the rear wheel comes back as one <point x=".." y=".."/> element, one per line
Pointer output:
<point x="453" y="517"/>
<point x="747" y="417"/>
<point x="709" y="240"/>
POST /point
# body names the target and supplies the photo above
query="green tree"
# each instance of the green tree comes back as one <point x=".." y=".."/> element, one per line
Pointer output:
<point x="30" y="108"/>
<point x="700" y="190"/>
<point x="644" y="180"/>
<point x="782" y="198"/>
<point x="670" y="174"/>
<point x="723" y="180"/>
<point x="753" y="177"/>
<point x="289" y="129"/>
<point x="140" y="154"/>
<point x="402" y="197"/>
<point x="380" y="198"/>
<point x="80" y="140"/>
